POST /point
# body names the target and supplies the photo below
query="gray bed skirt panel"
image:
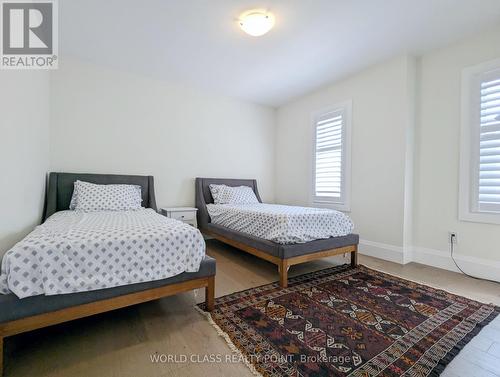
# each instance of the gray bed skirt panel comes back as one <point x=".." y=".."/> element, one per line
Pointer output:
<point x="60" y="188"/>
<point x="284" y="251"/>
<point x="13" y="308"/>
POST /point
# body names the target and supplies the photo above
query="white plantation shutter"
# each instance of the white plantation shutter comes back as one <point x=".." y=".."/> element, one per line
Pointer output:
<point x="479" y="190"/>
<point x="330" y="157"/>
<point x="487" y="194"/>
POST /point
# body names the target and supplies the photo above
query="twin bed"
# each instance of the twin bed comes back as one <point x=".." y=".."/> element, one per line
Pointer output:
<point x="282" y="235"/>
<point x="80" y="263"/>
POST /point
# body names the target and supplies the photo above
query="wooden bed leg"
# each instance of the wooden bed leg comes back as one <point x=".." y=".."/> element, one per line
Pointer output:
<point x="354" y="257"/>
<point x="283" y="271"/>
<point x="210" y="294"/>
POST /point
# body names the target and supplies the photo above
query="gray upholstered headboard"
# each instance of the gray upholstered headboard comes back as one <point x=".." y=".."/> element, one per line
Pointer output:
<point x="60" y="189"/>
<point x="204" y="196"/>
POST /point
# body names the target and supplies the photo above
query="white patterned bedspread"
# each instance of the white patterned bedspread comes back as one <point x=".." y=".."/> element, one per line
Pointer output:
<point x="75" y="252"/>
<point x="280" y="223"/>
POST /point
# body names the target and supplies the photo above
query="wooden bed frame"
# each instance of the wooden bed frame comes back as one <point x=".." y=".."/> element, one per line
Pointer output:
<point x="59" y="191"/>
<point x="309" y="251"/>
<point x="284" y="264"/>
<point x="75" y="312"/>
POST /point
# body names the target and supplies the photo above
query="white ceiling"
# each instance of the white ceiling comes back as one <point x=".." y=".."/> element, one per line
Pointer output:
<point x="199" y="44"/>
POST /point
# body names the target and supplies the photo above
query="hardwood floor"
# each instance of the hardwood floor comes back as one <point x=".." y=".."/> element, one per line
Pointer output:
<point x="121" y="343"/>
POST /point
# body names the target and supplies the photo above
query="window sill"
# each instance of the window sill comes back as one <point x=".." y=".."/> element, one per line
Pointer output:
<point x="480" y="217"/>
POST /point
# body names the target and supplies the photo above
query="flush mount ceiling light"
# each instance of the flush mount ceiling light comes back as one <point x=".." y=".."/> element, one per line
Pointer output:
<point x="256" y="22"/>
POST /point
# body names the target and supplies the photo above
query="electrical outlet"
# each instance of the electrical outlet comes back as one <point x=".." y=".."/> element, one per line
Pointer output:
<point x="452" y="237"/>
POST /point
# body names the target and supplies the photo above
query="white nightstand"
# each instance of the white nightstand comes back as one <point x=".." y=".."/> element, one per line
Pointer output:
<point x="184" y="214"/>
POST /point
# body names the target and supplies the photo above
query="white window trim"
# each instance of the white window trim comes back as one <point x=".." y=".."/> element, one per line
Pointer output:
<point x="468" y="143"/>
<point x="345" y="204"/>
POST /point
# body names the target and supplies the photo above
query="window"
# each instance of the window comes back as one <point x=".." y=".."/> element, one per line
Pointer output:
<point x="480" y="144"/>
<point x="332" y="157"/>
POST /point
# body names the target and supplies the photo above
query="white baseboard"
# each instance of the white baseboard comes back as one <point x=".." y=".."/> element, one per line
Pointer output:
<point x="435" y="258"/>
<point x="479" y="267"/>
<point x="383" y="251"/>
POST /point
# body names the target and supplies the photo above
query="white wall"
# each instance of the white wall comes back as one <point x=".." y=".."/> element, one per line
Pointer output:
<point x="438" y="138"/>
<point x="24" y="152"/>
<point x="380" y="127"/>
<point x="405" y="157"/>
<point x="106" y="121"/>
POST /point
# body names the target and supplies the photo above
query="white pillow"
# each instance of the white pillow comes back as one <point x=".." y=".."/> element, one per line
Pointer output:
<point x="223" y="194"/>
<point x="92" y="198"/>
<point x="74" y="197"/>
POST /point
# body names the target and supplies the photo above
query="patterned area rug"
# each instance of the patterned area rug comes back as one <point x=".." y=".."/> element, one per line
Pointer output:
<point x="343" y="321"/>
